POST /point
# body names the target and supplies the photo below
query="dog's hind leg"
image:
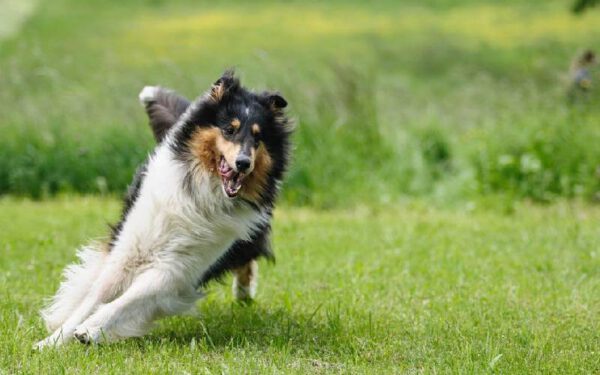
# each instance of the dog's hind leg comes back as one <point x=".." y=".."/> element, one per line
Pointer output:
<point x="241" y="260"/>
<point x="152" y="294"/>
<point x="245" y="281"/>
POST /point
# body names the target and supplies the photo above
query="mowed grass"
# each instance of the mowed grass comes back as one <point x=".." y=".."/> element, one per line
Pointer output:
<point x="403" y="289"/>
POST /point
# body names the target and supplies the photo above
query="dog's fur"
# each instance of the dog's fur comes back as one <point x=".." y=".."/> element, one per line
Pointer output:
<point x="189" y="215"/>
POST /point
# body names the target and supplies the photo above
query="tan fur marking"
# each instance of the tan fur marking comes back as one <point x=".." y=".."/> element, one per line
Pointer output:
<point x="104" y="247"/>
<point x="207" y="145"/>
<point x="203" y="145"/>
<point x="228" y="149"/>
<point x="217" y="92"/>
<point x="255" y="183"/>
<point x="245" y="273"/>
<point x="235" y="123"/>
<point x="255" y="129"/>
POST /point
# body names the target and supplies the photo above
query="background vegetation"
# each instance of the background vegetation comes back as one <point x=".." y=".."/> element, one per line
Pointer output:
<point x="436" y="98"/>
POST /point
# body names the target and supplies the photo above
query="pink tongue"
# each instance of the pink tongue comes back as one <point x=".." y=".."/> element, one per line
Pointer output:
<point x="232" y="181"/>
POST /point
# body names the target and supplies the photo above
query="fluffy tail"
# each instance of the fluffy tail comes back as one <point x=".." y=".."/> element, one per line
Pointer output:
<point x="163" y="107"/>
<point x="78" y="279"/>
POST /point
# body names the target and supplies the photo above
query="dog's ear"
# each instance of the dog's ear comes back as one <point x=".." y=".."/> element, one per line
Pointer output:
<point x="275" y="101"/>
<point x="223" y="86"/>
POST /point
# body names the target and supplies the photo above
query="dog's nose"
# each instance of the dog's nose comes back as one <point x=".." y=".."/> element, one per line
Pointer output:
<point x="242" y="163"/>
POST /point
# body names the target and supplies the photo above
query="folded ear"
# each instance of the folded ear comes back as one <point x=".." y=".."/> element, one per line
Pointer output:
<point x="224" y="85"/>
<point x="275" y="100"/>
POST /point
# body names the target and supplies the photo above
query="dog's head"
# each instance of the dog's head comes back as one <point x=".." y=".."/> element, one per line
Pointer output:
<point x="239" y="136"/>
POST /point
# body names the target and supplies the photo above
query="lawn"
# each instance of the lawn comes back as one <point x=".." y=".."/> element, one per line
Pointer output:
<point x="413" y="288"/>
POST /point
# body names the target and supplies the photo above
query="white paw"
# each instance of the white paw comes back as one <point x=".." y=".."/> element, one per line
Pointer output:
<point x="148" y="94"/>
<point x="86" y="335"/>
<point x="52" y="341"/>
<point x="244" y="293"/>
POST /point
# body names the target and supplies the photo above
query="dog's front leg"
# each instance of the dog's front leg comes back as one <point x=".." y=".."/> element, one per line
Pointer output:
<point x="100" y="292"/>
<point x="65" y="332"/>
<point x="151" y="295"/>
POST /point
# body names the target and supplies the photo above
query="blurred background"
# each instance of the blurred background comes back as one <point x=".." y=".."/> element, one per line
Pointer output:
<point x="447" y="99"/>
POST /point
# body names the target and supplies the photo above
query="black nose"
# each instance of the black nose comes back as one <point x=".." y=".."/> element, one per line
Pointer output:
<point x="242" y="163"/>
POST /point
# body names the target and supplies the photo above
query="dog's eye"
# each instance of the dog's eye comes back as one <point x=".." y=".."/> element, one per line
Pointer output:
<point x="229" y="130"/>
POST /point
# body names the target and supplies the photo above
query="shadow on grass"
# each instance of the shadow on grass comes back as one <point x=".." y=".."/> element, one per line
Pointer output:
<point x="220" y="326"/>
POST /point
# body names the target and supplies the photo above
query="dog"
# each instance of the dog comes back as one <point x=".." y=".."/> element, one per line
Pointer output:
<point x="200" y="206"/>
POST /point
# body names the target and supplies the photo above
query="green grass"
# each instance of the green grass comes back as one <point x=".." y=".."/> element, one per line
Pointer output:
<point x="411" y="288"/>
<point x="446" y="98"/>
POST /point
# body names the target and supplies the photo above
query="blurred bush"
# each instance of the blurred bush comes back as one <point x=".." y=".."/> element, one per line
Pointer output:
<point x="390" y="98"/>
<point x="542" y="158"/>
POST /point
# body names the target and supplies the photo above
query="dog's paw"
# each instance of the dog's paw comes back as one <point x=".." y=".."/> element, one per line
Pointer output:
<point x="244" y="293"/>
<point x="148" y="94"/>
<point x="52" y="341"/>
<point x="87" y="335"/>
<point x="82" y="337"/>
<point x="41" y="345"/>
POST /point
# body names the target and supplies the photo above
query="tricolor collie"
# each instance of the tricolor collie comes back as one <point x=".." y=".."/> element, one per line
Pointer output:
<point x="201" y="205"/>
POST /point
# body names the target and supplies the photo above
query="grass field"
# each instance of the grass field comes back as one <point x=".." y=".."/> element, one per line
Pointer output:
<point x="408" y="289"/>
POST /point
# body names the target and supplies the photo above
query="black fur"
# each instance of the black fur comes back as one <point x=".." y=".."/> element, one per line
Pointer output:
<point x="227" y="100"/>
<point x="265" y="109"/>
<point x="164" y="111"/>
<point x="133" y="191"/>
<point x="240" y="253"/>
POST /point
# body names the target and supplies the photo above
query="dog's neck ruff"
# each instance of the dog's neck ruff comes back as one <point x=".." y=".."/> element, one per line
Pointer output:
<point x="182" y="229"/>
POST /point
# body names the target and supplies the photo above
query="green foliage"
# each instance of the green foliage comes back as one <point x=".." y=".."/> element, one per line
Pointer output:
<point x="580" y="6"/>
<point x="543" y="158"/>
<point x="405" y="99"/>
<point x="44" y="164"/>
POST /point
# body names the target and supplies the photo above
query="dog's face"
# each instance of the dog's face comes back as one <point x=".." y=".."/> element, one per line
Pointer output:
<point x="242" y="142"/>
<point x="243" y="121"/>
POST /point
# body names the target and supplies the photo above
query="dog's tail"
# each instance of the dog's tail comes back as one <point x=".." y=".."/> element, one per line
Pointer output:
<point x="163" y="107"/>
<point x="78" y="279"/>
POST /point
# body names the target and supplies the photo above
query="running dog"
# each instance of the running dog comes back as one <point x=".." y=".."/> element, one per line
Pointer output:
<point x="201" y="205"/>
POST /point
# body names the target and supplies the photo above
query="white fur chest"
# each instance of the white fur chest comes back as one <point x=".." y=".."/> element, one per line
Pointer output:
<point x="170" y="228"/>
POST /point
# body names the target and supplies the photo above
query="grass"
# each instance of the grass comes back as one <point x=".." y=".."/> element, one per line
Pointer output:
<point x="412" y="288"/>
<point x="481" y="83"/>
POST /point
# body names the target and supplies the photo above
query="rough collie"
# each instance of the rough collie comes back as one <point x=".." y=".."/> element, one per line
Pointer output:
<point x="201" y="205"/>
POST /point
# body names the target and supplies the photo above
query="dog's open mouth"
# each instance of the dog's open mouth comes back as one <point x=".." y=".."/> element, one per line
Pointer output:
<point x="230" y="179"/>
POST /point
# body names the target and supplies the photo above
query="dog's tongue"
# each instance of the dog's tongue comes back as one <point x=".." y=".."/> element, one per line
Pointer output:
<point x="233" y="185"/>
<point x="232" y="181"/>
